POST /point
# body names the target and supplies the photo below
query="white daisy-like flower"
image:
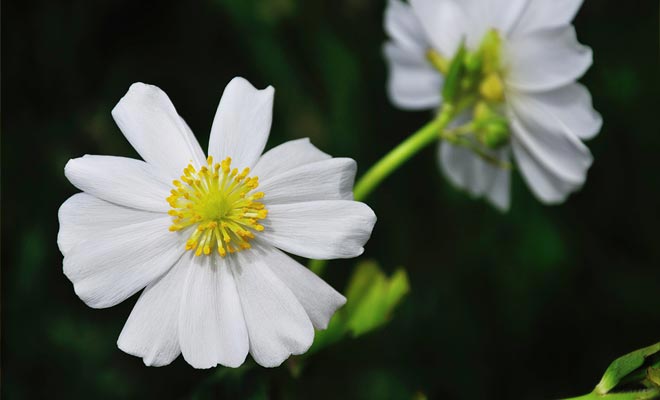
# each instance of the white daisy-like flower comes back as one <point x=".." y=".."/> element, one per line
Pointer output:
<point x="205" y="240"/>
<point x="523" y="60"/>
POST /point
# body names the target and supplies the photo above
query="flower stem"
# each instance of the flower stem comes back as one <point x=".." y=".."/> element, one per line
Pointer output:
<point x="428" y="134"/>
<point x="645" y="394"/>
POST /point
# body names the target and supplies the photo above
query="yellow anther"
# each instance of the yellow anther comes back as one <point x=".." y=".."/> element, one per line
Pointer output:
<point x="438" y="61"/>
<point x="221" y="208"/>
<point x="492" y="88"/>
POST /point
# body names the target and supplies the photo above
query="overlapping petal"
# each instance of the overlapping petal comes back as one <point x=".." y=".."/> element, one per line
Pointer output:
<point x="468" y="171"/>
<point x="211" y="323"/>
<point x="544" y="14"/>
<point x="151" y="124"/>
<point x="112" y="266"/>
<point x="568" y="109"/>
<point x="242" y="123"/>
<point x="553" y="164"/>
<point x="323" y="180"/>
<point x="319" y="299"/>
<point x="402" y="25"/>
<point x="319" y="229"/>
<point x="545" y="60"/>
<point x="412" y="84"/>
<point x="123" y="181"/>
<point x="287" y="156"/>
<point x="277" y="323"/>
<point x="83" y="216"/>
<point x="445" y="23"/>
<point x="152" y="330"/>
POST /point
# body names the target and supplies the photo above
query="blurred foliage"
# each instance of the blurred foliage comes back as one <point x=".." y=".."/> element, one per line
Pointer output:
<point x="371" y="298"/>
<point x="634" y="376"/>
<point x="527" y="305"/>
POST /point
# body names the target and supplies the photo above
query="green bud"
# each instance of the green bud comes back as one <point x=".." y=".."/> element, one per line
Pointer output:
<point x="490" y="51"/>
<point x="491" y="128"/>
<point x="494" y="134"/>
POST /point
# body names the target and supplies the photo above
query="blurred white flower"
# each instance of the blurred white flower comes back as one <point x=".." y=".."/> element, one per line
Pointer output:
<point x="202" y="240"/>
<point x="522" y="60"/>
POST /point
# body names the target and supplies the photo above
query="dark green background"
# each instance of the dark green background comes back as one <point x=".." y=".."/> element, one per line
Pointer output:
<point x="532" y="304"/>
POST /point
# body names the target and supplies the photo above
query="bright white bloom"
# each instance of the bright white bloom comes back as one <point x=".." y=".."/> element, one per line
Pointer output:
<point x="535" y="60"/>
<point x="202" y="240"/>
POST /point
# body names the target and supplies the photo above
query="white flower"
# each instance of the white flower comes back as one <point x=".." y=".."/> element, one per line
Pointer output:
<point x="532" y="83"/>
<point x="234" y="290"/>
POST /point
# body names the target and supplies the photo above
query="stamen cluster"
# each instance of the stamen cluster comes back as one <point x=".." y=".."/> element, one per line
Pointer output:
<point x="220" y="204"/>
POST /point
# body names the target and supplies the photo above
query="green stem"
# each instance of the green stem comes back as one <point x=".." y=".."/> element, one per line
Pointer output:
<point x="428" y="134"/>
<point x="646" y="394"/>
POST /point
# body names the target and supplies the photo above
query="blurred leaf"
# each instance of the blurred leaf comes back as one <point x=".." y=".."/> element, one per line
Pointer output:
<point x="624" y="366"/>
<point x="637" y="373"/>
<point x="453" y="80"/>
<point x="371" y="299"/>
<point x="653" y="375"/>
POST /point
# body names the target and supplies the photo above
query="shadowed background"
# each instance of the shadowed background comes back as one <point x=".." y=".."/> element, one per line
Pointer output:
<point x="531" y="304"/>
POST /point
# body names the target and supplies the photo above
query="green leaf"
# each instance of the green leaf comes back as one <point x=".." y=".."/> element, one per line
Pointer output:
<point x="624" y="366"/>
<point x="453" y="78"/>
<point x="372" y="296"/>
<point x="653" y="376"/>
<point x="371" y="299"/>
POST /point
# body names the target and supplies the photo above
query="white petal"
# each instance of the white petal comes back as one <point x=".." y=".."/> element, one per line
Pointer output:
<point x="124" y="181"/>
<point x="403" y="26"/>
<point x="504" y="14"/>
<point x="151" y="124"/>
<point x="286" y="156"/>
<point x="323" y="180"/>
<point x="568" y="109"/>
<point x="84" y="216"/>
<point x="113" y="265"/>
<point x="484" y="15"/>
<point x="242" y="123"/>
<point x="559" y="151"/>
<point x="319" y="299"/>
<point x="319" y="229"/>
<point x="553" y="164"/>
<point x="545" y="60"/>
<point x="544" y="14"/>
<point x="468" y="171"/>
<point x="212" y="328"/>
<point x="499" y="193"/>
<point x="413" y="84"/>
<point x="152" y="329"/>
<point x="445" y="23"/>
<point x="277" y="323"/>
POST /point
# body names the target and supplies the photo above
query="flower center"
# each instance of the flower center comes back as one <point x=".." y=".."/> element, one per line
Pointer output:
<point x="220" y="203"/>
<point x="474" y="81"/>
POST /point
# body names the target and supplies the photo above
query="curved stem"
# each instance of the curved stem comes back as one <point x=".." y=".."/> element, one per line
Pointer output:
<point x="645" y="394"/>
<point x="402" y="153"/>
<point x="428" y="134"/>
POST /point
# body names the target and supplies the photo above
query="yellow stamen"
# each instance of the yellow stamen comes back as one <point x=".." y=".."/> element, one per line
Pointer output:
<point x="219" y="203"/>
<point x="492" y="88"/>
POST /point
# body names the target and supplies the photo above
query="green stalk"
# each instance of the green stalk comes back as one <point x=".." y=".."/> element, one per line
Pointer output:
<point x="428" y="134"/>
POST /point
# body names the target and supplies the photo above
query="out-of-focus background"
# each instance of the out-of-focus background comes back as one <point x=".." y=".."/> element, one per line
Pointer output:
<point x="531" y="304"/>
